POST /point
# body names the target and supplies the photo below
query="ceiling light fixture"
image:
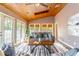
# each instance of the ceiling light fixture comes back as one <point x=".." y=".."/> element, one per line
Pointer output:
<point x="37" y="4"/>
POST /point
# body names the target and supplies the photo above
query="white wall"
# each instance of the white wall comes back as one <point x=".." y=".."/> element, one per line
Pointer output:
<point x="44" y="20"/>
<point x="62" y="19"/>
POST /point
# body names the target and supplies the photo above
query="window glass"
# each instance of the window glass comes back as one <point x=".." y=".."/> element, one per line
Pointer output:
<point x="18" y="32"/>
<point x="0" y="32"/>
<point x="73" y="25"/>
<point x="23" y="31"/>
<point x="8" y="30"/>
<point x="42" y="36"/>
<point x="0" y="23"/>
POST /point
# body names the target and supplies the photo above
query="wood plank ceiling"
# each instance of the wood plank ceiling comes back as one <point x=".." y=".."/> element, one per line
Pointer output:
<point x="31" y="11"/>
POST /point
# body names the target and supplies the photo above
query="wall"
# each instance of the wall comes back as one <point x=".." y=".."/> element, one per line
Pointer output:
<point x="62" y="19"/>
<point x="44" y="20"/>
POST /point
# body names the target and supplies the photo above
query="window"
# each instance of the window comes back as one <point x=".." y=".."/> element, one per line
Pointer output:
<point x="43" y="27"/>
<point x="0" y="22"/>
<point x="73" y="25"/>
<point x="8" y="30"/>
<point x="11" y="29"/>
<point x="18" y="32"/>
<point x="0" y="32"/>
<point x="21" y="31"/>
